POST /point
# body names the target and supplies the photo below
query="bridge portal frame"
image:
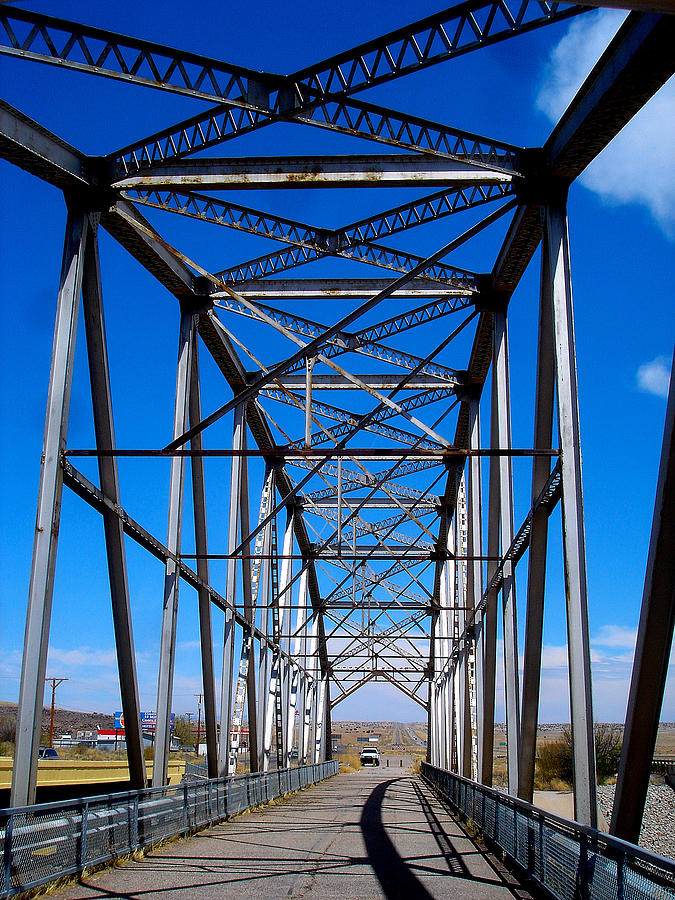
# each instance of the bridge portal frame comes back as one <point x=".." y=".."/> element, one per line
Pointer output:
<point x="462" y="634"/>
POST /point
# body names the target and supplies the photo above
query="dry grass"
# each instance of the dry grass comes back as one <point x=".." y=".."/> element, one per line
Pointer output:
<point x="349" y="762"/>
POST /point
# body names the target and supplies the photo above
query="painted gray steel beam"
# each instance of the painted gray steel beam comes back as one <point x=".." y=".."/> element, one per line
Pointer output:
<point x="201" y="548"/>
<point x="426" y="42"/>
<point x="99" y="372"/>
<point x="167" y="648"/>
<point x="365" y="120"/>
<point x="38" y="615"/>
<point x="637" y="62"/>
<point x="334" y="288"/>
<point x="475" y="569"/>
<point x="574" y="539"/>
<point x="32" y="147"/>
<point x="150" y="253"/>
<point x="249" y="613"/>
<point x="501" y="385"/>
<point x="536" y="574"/>
<point x="385" y="381"/>
<point x="489" y="621"/>
<point x="372" y="503"/>
<point x="652" y="650"/>
<point x="107" y="53"/>
<point x="254" y="173"/>
<point x="224" y="746"/>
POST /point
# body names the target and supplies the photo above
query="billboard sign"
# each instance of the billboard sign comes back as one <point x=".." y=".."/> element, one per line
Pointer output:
<point x="148" y="721"/>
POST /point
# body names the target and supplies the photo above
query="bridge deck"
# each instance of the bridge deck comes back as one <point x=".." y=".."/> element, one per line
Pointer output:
<point x="378" y="833"/>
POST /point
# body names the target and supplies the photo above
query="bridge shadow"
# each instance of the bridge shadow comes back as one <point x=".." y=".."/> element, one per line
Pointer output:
<point x="392" y="871"/>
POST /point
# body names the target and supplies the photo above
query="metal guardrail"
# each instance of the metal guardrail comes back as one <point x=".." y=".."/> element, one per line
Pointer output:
<point x="663" y="765"/>
<point x="42" y="843"/>
<point x="567" y="861"/>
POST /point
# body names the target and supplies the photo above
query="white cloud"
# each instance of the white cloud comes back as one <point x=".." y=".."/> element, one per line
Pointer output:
<point x="616" y="636"/>
<point x="82" y="656"/>
<point x="637" y="166"/>
<point x="654" y="377"/>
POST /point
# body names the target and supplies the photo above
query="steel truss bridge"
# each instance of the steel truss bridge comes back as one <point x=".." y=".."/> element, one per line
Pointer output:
<point x="360" y="546"/>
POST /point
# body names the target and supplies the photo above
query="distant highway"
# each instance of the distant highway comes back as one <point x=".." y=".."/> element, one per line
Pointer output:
<point x="413" y="738"/>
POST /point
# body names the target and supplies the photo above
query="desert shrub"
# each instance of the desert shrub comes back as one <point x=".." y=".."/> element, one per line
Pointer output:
<point x="554" y="762"/>
<point x="608" y="741"/>
<point x="7" y="730"/>
<point x="555" y="759"/>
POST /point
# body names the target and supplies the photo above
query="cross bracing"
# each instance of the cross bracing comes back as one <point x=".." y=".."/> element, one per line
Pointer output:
<point x="361" y="544"/>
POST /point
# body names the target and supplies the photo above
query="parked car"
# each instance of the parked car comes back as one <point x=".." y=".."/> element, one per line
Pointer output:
<point x="47" y="753"/>
<point x="370" y="756"/>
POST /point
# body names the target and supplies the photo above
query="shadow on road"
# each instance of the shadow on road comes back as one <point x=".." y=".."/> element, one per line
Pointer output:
<point x="393" y="873"/>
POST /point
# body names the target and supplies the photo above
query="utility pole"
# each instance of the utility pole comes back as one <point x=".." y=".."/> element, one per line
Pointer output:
<point x="199" y="719"/>
<point x="55" y="682"/>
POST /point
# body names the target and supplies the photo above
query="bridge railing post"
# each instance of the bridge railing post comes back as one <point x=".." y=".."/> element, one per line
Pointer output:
<point x="84" y="822"/>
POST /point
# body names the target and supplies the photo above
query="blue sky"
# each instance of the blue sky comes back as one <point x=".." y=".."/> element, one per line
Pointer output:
<point x="622" y="226"/>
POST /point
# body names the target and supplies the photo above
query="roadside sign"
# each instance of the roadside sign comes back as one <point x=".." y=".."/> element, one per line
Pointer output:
<point x="148" y="721"/>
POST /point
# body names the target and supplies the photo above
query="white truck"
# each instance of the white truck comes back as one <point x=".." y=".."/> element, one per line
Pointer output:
<point x="370" y="756"/>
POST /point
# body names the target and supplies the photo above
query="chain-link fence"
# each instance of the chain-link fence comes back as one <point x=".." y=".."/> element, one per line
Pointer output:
<point x="44" y="842"/>
<point x="567" y="860"/>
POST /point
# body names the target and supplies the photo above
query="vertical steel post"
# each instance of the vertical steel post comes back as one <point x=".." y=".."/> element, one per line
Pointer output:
<point x="167" y="650"/>
<point x="574" y="539"/>
<point x="224" y="746"/>
<point x="263" y="604"/>
<point x="536" y="573"/>
<point x="285" y="615"/>
<point x="296" y="654"/>
<point x="489" y="620"/>
<point x="501" y="385"/>
<point x="310" y="689"/>
<point x="652" y="651"/>
<point x="442" y="722"/>
<point x="309" y="365"/>
<point x="38" y="614"/>
<point x="275" y="682"/>
<point x="99" y="374"/>
<point x="249" y="613"/>
<point x="319" y="749"/>
<point x="475" y="567"/>
<point x="431" y="687"/>
<point x="201" y="547"/>
<point x="464" y="707"/>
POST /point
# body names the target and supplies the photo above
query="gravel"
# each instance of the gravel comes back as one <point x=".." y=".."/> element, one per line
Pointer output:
<point x="658" y="824"/>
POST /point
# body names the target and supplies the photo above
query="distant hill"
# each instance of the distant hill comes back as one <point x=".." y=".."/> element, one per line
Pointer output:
<point x="65" y="720"/>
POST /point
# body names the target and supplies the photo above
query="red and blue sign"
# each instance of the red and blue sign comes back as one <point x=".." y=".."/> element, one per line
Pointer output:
<point x="148" y="721"/>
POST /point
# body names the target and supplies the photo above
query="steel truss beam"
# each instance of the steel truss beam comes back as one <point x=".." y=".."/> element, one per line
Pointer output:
<point x="401" y="218"/>
<point x="471" y="25"/>
<point x="353" y="117"/>
<point x="337" y="288"/>
<point x="312" y="172"/>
